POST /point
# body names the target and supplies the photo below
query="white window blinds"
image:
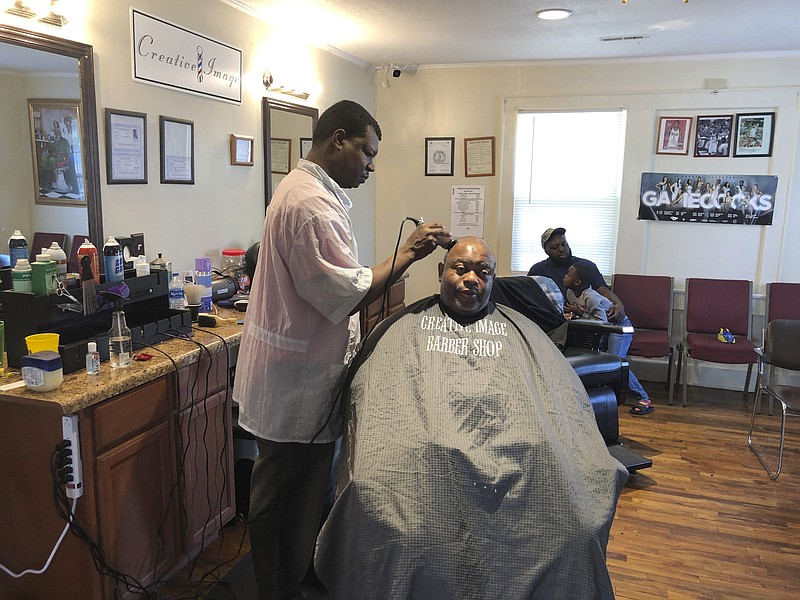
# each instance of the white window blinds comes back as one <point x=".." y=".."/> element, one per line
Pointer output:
<point x="568" y="171"/>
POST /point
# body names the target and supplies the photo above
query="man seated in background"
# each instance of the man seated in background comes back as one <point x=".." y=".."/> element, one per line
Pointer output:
<point x="560" y="259"/>
<point x="472" y="465"/>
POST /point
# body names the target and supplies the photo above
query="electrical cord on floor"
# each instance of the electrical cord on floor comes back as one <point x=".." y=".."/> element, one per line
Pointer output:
<point x="56" y="465"/>
<point x="203" y="581"/>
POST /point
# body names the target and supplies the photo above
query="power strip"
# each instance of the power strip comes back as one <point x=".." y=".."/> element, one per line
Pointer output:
<point x="69" y="425"/>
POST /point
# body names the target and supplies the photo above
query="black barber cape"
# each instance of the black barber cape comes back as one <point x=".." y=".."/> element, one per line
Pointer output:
<point x="472" y="467"/>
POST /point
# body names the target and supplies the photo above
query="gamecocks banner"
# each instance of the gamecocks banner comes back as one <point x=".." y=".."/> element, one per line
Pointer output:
<point x="731" y="199"/>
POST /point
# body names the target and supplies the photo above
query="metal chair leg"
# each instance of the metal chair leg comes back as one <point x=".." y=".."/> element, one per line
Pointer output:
<point x="677" y="379"/>
<point x="685" y="368"/>
<point x="747" y="380"/>
<point x="751" y="444"/>
<point x="669" y="367"/>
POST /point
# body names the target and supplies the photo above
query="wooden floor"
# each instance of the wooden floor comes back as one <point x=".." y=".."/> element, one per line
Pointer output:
<point x="704" y="522"/>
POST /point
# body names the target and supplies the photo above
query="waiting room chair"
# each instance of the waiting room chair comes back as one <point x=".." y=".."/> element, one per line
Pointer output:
<point x="712" y="304"/>
<point x="648" y="304"/>
<point x="45" y="240"/>
<point x="781" y="350"/>
<point x="783" y="302"/>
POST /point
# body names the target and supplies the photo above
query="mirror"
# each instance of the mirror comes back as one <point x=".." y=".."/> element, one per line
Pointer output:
<point x="51" y="67"/>
<point x="284" y="121"/>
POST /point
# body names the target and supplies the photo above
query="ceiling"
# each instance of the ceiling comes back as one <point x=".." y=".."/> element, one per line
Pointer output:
<point x="438" y="32"/>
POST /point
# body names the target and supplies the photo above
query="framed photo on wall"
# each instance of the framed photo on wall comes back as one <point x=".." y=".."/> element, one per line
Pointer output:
<point x="177" y="150"/>
<point x="673" y="135"/>
<point x="439" y="156"/>
<point x="57" y="152"/>
<point x="754" y="134"/>
<point x="712" y="136"/>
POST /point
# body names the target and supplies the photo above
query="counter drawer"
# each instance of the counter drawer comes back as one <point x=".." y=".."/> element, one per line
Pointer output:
<point x="131" y="412"/>
<point x="192" y="379"/>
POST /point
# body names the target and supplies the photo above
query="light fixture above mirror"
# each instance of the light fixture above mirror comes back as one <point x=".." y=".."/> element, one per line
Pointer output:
<point x="45" y="11"/>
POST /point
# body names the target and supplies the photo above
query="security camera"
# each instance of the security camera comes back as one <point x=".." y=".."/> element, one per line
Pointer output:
<point x="396" y="71"/>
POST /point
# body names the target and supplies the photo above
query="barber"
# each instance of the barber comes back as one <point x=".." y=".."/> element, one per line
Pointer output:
<point x="301" y="323"/>
<point x="560" y="259"/>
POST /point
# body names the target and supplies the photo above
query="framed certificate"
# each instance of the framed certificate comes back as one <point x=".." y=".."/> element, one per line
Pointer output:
<point x="479" y="157"/>
<point x="280" y="155"/>
<point x="241" y="150"/>
<point x="439" y="155"/>
<point x="126" y="147"/>
<point x="177" y="150"/>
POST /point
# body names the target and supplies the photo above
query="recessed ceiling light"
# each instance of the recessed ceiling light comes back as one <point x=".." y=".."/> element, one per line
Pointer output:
<point x="553" y="14"/>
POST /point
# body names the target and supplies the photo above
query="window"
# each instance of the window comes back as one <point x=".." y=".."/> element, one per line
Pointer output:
<point x="568" y="172"/>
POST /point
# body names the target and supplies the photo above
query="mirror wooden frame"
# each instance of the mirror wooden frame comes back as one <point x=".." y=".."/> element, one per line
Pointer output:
<point x="88" y="113"/>
<point x="266" y="105"/>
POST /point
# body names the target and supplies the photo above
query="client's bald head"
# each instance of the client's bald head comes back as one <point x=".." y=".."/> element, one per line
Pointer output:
<point x="467" y="275"/>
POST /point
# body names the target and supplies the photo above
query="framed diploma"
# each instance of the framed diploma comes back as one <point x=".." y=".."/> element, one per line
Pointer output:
<point x="177" y="150"/>
<point x="242" y="150"/>
<point x="439" y="155"/>
<point x="280" y="155"/>
<point x="126" y="147"/>
<point x="479" y="157"/>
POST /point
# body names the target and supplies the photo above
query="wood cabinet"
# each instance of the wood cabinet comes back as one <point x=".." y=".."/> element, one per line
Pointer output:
<point x="134" y="481"/>
<point x="158" y="483"/>
<point x="395" y="301"/>
<point x="205" y="451"/>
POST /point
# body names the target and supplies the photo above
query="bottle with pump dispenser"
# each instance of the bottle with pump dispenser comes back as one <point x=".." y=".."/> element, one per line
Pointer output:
<point x="120" y="344"/>
<point x="113" y="261"/>
<point x="17" y="247"/>
<point x="92" y="359"/>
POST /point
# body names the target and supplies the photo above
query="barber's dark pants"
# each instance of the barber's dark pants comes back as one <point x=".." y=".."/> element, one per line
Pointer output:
<point x="287" y="493"/>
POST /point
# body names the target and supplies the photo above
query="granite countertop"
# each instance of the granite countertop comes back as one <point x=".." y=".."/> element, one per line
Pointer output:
<point x="79" y="390"/>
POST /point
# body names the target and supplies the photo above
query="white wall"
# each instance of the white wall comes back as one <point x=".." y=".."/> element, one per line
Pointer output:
<point x="225" y="207"/>
<point x="481" y="100"/>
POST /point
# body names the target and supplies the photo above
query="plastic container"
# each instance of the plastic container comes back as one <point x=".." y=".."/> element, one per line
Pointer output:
<point x="43" y="275"/>
<point x="17" y="247"/>
<point x="88" y="258"/>
<point x="233" y="263"/>
<point x="202" y="269"/>
<point x="142" y="266"/>
<point x="112" y="260"/>
<point x="42" y="371"/>
<point x="42" y="341"/>
<point x="21" y="276"/>
<point x="58" y="256"/>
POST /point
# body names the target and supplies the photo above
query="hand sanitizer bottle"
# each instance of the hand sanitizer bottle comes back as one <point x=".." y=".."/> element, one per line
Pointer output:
<point x="92" y="359"/>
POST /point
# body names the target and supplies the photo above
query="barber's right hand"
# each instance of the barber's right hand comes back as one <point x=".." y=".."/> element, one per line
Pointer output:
<point x="425" y="238"/>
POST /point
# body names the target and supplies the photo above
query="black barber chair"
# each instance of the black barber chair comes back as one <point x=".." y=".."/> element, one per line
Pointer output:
<point x="604" y="375"/>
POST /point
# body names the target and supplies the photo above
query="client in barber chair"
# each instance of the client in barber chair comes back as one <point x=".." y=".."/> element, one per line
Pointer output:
<point x="472" y="465"/>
